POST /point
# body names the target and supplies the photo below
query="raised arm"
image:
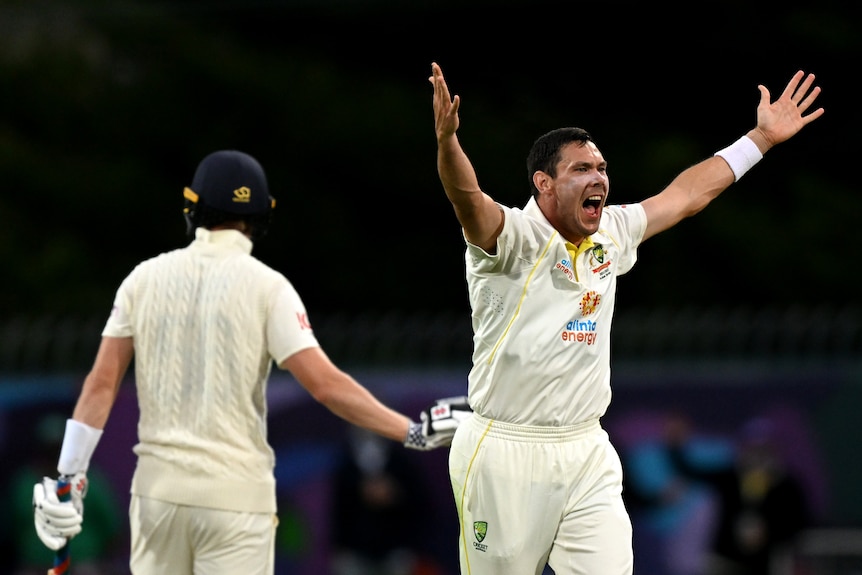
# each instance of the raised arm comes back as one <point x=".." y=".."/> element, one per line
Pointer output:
<point x="479" y="215"/>
<point x="694" y="188"/>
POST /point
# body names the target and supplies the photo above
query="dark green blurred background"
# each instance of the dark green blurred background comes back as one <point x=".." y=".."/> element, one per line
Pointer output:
<point x="108" y="106"/>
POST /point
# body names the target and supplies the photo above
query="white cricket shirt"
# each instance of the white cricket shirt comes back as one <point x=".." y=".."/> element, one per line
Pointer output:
<point x="208" y="320"/>
<point x="542" y="322"/>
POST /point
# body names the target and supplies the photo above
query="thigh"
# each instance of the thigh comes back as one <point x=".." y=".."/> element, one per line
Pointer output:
<point x="509" y="502"/>
<point x="595" y="535"/>
<point x="598" y="540"/>
<point x="158" y="538"/>
<point x="232" y="543"/>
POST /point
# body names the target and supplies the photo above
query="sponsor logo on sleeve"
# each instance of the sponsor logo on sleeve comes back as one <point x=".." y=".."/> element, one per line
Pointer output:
<point x="302" y="318"/>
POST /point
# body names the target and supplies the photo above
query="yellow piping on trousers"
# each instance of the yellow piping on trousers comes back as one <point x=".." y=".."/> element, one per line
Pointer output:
<point x="463" y="491"/>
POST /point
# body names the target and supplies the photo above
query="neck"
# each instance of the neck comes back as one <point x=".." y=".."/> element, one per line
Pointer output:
<point x="239" y="225"/>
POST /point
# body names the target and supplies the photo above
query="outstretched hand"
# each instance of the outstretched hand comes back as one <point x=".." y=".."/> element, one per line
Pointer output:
<point x="438" y="423"/>
<point x="780" y="120"/>
<point x="446" y="119"/>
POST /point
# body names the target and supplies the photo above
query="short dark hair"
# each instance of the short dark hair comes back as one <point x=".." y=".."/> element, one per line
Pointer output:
<point x="203" y="216"/>
<point x="545" y="153"/>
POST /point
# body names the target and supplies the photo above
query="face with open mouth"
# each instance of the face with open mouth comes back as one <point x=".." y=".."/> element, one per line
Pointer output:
<point x="573" y="199"/>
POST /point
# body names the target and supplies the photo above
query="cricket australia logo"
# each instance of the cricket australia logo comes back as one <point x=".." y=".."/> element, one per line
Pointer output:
<point x="480" y="529"/>
<point x="598" y="265"/>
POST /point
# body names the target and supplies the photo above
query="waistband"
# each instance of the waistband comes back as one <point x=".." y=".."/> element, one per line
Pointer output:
<point x="494" y="428"/>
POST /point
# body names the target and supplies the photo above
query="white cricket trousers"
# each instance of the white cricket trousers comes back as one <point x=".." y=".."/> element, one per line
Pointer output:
<point x="529" y="496"/>
<point x="171" y="539"/>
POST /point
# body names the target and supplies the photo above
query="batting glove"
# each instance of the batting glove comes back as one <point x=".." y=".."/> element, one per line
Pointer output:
<point x="56" y="521"/>
<point x="438" y="424"/>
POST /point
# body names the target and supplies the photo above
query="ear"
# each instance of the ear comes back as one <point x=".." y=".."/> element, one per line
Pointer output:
<point x="542" y="181"/>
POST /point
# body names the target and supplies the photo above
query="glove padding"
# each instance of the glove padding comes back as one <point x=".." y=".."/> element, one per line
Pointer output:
<point x="438" y="423"/>
<point x="56" y="521"/>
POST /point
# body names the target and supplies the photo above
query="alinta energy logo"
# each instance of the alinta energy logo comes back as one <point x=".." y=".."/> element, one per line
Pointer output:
<point x="583" y="330"/>
<point x="480" y="530"/>
<point x="242" y="195"/>
<point x="565" y="266"/>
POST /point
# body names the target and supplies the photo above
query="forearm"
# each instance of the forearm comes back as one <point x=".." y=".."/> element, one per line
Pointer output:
<point x="103" y="381"/>
<point x="341" y="394"/>
<point x="357" y="405"/>
<point x="698" y="185"/>
<point x="457" y="174"/>
<point x="705" y="181"/>
<point x="695" y="187"/>
<point x="691" y="191"/>
<point x="85" y="428"/>
<point x="94" y="404"/>
<point x="479" y="215"/>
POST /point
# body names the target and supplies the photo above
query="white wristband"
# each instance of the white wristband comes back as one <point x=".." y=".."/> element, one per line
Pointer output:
<point x="741" y="156"/>
<point x="79" y="443"/>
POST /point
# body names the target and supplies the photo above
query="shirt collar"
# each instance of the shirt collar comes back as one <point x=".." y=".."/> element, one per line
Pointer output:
<point x="533" y="210"/>
<point x="223" y="238"/>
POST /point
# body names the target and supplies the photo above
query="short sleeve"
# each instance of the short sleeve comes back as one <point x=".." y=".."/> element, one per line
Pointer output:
<point x="119" y="324"/>
<point x="288" y="327"/>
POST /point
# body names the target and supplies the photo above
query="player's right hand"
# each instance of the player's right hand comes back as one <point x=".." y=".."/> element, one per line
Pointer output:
<point x="438" y="423"/>
<point x="56" y="521"/>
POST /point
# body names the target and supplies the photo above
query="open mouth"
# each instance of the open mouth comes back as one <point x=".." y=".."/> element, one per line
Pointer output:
<point x="592" y="205"/>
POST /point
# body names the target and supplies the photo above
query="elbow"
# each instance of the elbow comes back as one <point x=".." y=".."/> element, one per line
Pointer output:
<point x="324" y="391"/>
<point x="698" y="205"/>
<point x="320" y="392"/>
<point x="693" y="210"/>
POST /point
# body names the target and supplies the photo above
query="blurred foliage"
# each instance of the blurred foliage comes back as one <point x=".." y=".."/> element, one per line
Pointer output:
<point x="107" y="106"/>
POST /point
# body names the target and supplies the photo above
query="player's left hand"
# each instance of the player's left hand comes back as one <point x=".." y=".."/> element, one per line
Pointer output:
<point x="438" y="423"/>
<point x="779" y="120"/>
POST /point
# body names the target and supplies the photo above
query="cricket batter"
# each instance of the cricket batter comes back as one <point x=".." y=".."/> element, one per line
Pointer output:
<point x="205" y="323"/>
<point x="533" y="474"/>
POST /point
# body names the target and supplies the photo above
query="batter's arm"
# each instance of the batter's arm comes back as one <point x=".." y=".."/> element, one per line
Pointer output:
<point x="103" y="381"/>
<point x="341" y="394"/>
